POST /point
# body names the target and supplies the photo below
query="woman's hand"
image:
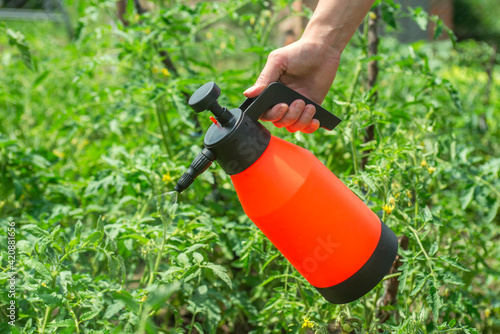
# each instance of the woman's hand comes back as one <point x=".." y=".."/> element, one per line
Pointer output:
<point x="309" y="68"/>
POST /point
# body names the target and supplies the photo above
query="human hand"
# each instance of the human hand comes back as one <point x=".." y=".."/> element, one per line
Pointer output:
<point x="307" y="66"/>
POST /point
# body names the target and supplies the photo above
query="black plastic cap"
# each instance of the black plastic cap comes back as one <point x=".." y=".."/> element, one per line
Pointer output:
<point x="204" y="96"/>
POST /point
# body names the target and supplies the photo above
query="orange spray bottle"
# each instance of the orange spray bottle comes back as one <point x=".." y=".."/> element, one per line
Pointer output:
<point x="326" y="232"/>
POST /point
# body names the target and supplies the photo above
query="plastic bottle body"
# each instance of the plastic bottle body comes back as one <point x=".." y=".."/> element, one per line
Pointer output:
<point x="324" y="230"/>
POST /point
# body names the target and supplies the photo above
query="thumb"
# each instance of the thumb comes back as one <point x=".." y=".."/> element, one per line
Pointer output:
<point x="274" y="68"/>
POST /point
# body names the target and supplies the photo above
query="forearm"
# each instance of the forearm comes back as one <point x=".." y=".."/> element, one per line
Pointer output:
<point x="334" y="22"/>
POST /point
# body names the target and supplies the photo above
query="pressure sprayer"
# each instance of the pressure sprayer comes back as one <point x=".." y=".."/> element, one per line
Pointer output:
<point x="326" y="232"/>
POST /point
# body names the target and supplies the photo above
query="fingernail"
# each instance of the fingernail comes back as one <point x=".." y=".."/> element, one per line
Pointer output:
<point x="300" y="105"/>
<point x="249" y="90"/>
<point x="283" y="108"/>
<point x="310" y="110"/>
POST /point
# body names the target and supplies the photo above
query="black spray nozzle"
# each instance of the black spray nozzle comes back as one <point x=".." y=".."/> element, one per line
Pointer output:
<point x="205" y="98"/>
<point x="200" y="164"/>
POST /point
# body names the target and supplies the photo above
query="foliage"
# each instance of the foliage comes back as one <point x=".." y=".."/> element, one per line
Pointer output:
<point x="477" y="19"/>
<point x="95" y="132"/>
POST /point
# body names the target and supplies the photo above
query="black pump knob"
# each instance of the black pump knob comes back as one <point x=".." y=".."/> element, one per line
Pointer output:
<point x="205" y="98"/>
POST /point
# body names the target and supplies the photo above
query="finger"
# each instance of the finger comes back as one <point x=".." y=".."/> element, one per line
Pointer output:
<point x="274" y="68"/>
<point x="313" y="126"/>
<point x="292" y="115"/>
<point x="275" y="113"/>
<point x="304" y="120"/>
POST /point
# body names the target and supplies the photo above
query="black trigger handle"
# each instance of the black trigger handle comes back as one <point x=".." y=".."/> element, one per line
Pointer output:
<point x="278" y="93"/>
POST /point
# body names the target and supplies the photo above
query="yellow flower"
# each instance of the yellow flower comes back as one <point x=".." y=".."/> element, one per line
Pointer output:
<point x="209" y="35"/>
<point x="252" y="20"/>
<point x="423" y="163"/>
<point x="408" y="194"/>
<point x="307" y="323"/>
<point x="44" y="285"/>
<point x="166" y="177"/>
<point x="58" y="153"/>
<point x="388" y="208"/>
<point x="373" y="16"/>
<point x="165" y="72"/>
<point x="431" y="170"/>
<point x="143" y="299"/>
<point x="487" y="313"/>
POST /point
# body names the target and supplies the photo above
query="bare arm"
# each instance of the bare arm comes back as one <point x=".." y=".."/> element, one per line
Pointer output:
<point x="309" y="65"/>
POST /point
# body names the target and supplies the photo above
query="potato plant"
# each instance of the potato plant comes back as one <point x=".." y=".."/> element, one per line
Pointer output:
<point x="95" y="132"/>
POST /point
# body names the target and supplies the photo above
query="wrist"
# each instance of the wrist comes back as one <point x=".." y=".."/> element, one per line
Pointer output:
<point x="326" y="36"/>
<point x="334" y="22"/>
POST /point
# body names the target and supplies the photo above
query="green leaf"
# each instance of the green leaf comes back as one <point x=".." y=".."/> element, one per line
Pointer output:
<point x="369" y="182"/>
<point x="434" y="249"/>
<point x="427" y="214"/>
<point x="198" y="257"/>
<point x="89" y="315"/>
<point x="94" y="237"/>
<point x="51" y="299"/>
<point x="17" y="39"/>
<point x="100" y="225"/>
<point x="492" y="212"/>
<point x="159" y="296"/>
<point x="388" y="13"/>
<point x="467" y="197"/>
<point x="435" y="301"/>
<point x="419" y="285"/>
<point x="39" y="79"/>
<point x="63" y="323"/>
<point x="39" y="267"/>
<point x="24" y="247"/>
<point x="114" y="309"/>
<point x="192" y="273"/>
<point x="183" y="259"/>
<point x="77" y="235"/>
<point x="221" y="272"/>
<point x="420" y="17"/>
<point x="453" y="263"/>
<point x="452" y="280"/>
<point x="35" y="230"/>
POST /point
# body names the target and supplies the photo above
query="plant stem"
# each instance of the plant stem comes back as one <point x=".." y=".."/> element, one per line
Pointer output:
<point x="166" y="219"/>
<point x="162" y="129"/>
<point x="391" y="276"/>
<point x="429" y="261"/>
<point x="48" y="309"/>
<point x="353" y="144"/>
<point x="302" y="295"/>
<point x="192" y="322"/>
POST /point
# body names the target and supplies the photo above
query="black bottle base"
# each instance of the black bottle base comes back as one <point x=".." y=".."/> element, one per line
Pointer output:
<point x="372" y="272"/>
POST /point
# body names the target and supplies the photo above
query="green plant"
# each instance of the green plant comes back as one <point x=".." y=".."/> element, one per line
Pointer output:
<point x="95" y="133"/>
